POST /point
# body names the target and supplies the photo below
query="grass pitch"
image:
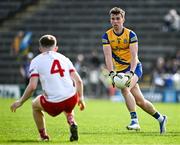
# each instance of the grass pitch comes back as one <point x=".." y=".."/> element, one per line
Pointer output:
<point x="103" y="122"/>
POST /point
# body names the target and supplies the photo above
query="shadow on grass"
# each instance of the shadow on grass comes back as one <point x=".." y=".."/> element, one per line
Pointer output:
<point x="141" y="133"/>
<point x="31" y="141"/>
<point x="20" y="141"/>
<point x="122" y="133"/>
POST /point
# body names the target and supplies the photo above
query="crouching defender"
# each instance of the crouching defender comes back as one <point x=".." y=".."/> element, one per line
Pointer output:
<point x="120" y="46"/>
<point x="62" y="87"/>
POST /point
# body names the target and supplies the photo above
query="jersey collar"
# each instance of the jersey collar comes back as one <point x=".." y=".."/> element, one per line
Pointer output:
<point x="118" y="34"/>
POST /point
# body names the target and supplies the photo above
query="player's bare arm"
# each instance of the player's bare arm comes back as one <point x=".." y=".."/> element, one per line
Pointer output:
<point x="134" y="60"/>
<point x="108" y="57"/>
<point x="79" y="86"/>
<point x="134" y="55"/>
<point x="29" y="90"/>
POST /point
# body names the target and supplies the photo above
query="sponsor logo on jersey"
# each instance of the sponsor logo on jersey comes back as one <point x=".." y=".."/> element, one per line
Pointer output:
<point x="104" y="41"/>
<point x="125" y="41"/>
<point x="134" y="39"/>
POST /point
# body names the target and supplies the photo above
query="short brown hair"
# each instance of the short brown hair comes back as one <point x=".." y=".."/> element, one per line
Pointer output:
<point x="47" y="41"/>
<point x="117" y="11"/>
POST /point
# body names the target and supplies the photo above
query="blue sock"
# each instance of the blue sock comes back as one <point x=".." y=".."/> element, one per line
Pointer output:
<point x="156" y="115"/>
<point x="133" y="115"/>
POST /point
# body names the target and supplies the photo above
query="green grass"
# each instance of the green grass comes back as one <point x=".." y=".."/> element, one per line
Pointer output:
<point x="103" y="122"/>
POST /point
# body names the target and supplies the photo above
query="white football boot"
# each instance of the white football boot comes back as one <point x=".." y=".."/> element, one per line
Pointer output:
<point x="162" y="125"/>
<point x="134" y="126"/>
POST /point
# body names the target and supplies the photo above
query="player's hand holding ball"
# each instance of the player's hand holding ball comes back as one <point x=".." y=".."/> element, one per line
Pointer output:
<point x="130" y="74"/>
<point x="112" y="74"/>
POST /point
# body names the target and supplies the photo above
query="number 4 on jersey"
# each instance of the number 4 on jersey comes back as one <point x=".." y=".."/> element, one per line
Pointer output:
<point x="56" y="68"/>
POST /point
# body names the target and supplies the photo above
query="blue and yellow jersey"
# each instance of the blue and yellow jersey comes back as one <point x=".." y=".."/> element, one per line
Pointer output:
<point x="120" y="47"/>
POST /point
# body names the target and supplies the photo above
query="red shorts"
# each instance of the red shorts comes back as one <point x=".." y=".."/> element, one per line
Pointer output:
<point x="55" y="109"/>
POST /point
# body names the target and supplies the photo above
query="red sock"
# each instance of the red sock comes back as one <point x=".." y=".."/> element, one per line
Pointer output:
<point x="42" y="133"/>
<point x="70" y="119"/>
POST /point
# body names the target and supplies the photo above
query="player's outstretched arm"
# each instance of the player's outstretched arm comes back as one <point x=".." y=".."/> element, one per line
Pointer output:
<point x="79" y="86"/>
<point x="27" y="93"/>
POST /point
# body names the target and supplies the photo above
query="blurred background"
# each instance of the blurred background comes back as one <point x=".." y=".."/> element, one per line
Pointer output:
<point x="79" y="26"/>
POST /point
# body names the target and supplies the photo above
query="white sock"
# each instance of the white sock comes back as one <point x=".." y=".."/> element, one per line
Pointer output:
<point x="160" y="119"/>
<point x="135" y="120"/>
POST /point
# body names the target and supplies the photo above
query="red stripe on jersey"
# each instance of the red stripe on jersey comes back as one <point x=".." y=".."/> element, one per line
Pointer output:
<point x="35" y="75"/>
<point x="71" y="70"/>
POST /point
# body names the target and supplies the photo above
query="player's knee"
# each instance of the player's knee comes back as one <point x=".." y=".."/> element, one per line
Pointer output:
<point x="125" y="92"/>
<point x="35" y="103"/>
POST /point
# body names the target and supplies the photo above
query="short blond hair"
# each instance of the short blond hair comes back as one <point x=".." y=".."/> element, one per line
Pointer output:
<point x="116" y="11"/>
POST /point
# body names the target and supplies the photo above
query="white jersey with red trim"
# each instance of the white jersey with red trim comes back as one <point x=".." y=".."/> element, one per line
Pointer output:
<point x="54" y="70"/>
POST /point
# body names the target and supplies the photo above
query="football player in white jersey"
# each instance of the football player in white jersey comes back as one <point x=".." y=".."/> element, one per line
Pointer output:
<point x="61" y="84"/>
